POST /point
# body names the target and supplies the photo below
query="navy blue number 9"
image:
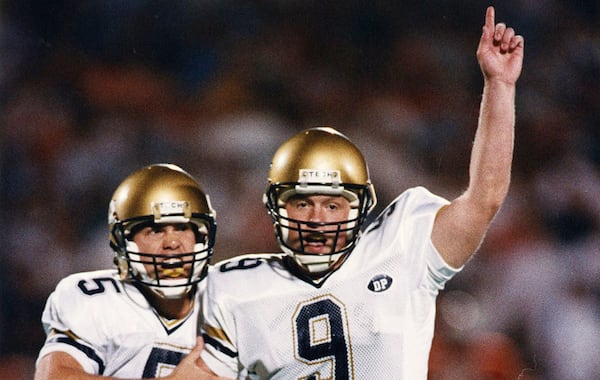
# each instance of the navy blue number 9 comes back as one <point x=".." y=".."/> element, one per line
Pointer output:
<point x="321" y="337"/>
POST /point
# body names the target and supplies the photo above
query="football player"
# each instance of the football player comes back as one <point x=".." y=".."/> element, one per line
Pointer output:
<point x="140" y="319"/>
<point x="339" y="303"/>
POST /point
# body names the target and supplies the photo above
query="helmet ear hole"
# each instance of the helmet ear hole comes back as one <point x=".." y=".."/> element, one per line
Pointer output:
<point x="117" y="234"/>
<point x="122" y="267"/>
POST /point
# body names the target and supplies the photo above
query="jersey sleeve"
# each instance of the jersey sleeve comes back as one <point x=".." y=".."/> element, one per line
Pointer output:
<point x="407" y="224"/>
<point x="70" y="328"/>
<point x="217" y="329"/>
<point x="232" y="285"/>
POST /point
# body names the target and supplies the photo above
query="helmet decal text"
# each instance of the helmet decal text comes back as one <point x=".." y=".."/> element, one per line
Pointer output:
<point x="167" y="212"/>
<point x="320" y="176"/>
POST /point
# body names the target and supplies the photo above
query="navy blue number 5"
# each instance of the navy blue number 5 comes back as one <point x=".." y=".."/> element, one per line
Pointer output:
<point x="159" y="357"/>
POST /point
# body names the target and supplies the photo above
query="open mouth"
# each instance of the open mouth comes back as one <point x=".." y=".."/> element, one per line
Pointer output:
<point x="316" y="243"/>
<point x="318" y="238"/>
<point x="172" y="268"/>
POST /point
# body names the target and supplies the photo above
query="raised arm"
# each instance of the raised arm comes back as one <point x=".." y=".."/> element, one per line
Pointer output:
<point x="460" y="227"/>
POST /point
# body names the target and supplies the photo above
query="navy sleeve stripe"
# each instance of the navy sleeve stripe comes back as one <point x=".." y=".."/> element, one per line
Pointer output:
<point x="218" y="346"/>
<point x="89" y="352"/>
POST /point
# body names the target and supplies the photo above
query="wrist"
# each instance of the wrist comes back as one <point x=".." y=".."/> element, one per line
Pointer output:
<point x="498" y="82"/>
<point x="499" y="86"/>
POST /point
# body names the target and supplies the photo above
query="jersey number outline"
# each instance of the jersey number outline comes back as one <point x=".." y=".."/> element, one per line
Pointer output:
<point x="241" y="264"/>
<point x="158" y="359"/>
<point x="379" y="221"/>
<point x="321" y="335"/>
<point x="83" y="285"/>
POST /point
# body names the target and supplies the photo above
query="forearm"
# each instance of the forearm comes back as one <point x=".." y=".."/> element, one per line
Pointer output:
<point x="60" y="365"/>
<point x="460" y="227"/>
<point x="491" y="156"/>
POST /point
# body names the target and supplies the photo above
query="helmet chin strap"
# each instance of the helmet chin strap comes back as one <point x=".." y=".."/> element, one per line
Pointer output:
<point x="316" y="263"/>
<point x="172" y="292"/>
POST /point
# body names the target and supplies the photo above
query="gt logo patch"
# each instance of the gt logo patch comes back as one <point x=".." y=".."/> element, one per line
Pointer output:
<point x="380" y="283"/>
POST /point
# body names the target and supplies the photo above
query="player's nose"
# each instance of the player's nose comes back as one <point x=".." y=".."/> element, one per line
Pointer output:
<point x="316" y="216"/>
<point x="171" y="239"/>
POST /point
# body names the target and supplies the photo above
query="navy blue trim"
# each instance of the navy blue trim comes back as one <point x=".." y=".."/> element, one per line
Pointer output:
<point x="168" y="330"/>
<point x="88" y="351"/>
<point x="218" y="346"/>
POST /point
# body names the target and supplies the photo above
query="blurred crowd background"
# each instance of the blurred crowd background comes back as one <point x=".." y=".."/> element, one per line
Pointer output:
<point x="92" y="90"/>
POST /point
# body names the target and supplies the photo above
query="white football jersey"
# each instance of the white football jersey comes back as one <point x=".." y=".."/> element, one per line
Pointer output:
<point x="373" y="318"/>
<point x="108" y="326"/>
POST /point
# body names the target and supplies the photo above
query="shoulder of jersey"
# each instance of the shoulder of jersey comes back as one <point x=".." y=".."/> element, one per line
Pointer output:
<point x="244" y="265"/>
<point x="90" y="275"/>
<point x="90" y="283"/>
<point x="239" y="277"/>
<point x="410" y="199"/>
<point x="247" y="258"/>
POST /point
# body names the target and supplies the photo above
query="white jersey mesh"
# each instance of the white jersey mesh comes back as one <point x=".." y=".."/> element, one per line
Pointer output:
<point x="110" y="329"/>
<point x="371" y="319"/>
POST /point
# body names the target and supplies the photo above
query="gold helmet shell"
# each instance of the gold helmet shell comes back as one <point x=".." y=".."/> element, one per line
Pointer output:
<point x="158" y="194"/>
<point x="161" y="191"/>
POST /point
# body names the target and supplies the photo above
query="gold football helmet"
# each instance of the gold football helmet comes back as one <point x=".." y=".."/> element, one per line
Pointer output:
<point x="319" y="160"/>
<point x="161" y="193"/>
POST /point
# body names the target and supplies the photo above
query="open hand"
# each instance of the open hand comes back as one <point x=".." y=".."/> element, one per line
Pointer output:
<point x="192" y="366"/>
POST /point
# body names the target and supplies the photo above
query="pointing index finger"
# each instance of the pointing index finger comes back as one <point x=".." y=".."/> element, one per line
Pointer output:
<point x="490" y="17"/>
<point x="488" y="27"/>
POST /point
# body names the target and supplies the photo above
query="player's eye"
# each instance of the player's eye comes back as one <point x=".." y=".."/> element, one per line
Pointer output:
<point x="298" y="204"/>
<point x="182" y="227"/>
<point x="156" y="229"/>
